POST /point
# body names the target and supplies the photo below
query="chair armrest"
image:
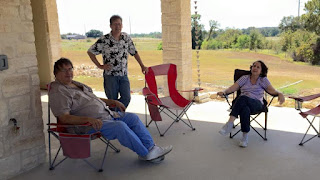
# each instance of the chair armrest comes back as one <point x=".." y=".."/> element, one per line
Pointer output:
<point x="61" y="128"/>
<point x="195" y="91"/>
<point x="146" y="91"/>
<point x="305" y="98"/>
<point x="68" y="125"/>
<point x="151" y="97"/>
<point x="300" y="100"/>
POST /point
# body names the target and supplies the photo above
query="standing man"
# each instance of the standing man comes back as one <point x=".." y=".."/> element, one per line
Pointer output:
<point x="114" y="48"/>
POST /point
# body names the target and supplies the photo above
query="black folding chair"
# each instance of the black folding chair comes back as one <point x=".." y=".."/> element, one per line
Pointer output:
<point x="253" y="118"/>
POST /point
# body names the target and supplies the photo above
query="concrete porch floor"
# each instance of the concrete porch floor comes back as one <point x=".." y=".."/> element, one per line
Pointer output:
<point x="203" y="153"/>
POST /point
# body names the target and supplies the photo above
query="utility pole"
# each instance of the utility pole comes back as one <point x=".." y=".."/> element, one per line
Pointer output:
<point x="130" y="25"/>
<point x="299" y="9"/>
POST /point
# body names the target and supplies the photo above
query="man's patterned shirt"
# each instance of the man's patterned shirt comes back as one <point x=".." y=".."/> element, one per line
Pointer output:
<point x="114" y="52"/>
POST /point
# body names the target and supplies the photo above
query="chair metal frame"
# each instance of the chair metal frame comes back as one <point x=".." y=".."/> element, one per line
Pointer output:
<point x="152" y="99"/>
<point x="56" y="129"/>
<point x="315" y="112"/>
<point x="253" y="117"/>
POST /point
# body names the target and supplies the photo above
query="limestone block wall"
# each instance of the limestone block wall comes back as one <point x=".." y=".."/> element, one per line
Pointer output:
<point x="19" y="92"/>
<point x="47" y="37"/>
<point x="176" y="39"/>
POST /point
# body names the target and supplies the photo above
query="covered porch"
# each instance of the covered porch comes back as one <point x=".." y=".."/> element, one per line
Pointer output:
<point x="203" y="153"/>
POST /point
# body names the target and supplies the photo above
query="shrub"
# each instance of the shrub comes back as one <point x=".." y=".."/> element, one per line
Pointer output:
<point x="316" y="52"/>
<point x="211" y="44"/>
<point x="159" y="46"/>
<point x="243" y="41"/>
<point x="304" y="53"/>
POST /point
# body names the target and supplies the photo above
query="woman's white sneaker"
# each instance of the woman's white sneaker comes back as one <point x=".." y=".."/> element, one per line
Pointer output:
<point x="226" y="129"/>
<point x="244" y="140"/>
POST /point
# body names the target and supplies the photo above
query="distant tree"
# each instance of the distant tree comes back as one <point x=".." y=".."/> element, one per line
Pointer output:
<point x="63" y="36"/>
<point x="247" y="31"/>
<point x="290" y="41"/>
<point x="290" y="23"/>
<point x="316" y="52"/>
<point x="229" y="37"/>
<point x="287" y="41"/>
<point x="211" y="44"/>
<point x="306" y="46"/>
<point x="94" y="33"/>
<point x="71" y="33"/>
<point x="269" y="31"/>
<point x="274" y="32"/>
<point x="275" y="46"/>
<point x="213" y="26"/>
<point x="243" y="41"/>
<point x="312" y="16"/>
<point x="149" y="35"/>
<point x="256" y="39"/>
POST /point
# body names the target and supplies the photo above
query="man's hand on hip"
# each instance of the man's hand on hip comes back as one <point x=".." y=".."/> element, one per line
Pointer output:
<point x="105" y="67"/>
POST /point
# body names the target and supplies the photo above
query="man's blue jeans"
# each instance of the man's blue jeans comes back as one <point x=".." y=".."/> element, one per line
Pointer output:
<point x="245" y="106"/>
<point x="115" y="85"/>
<point x="130" y="132"/>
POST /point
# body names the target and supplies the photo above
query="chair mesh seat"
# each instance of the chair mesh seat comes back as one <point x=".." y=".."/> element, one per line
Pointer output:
<point x="168" y="102"/>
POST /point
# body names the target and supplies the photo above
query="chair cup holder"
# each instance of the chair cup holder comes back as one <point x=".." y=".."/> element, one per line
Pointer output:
<point x="298" y="105"/>
<point x="196" y="93"/>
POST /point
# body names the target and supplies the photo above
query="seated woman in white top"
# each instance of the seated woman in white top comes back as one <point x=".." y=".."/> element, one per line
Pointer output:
<point x="252" y="88"/>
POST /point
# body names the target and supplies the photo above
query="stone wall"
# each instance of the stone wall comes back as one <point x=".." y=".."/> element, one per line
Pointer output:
<point x="47" y="38"/>
<point x="176" y="40"/>
<point x="23" y="149"/>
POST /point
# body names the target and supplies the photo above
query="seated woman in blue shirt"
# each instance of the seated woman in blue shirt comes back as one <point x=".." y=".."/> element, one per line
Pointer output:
<point x="252" y="88"/>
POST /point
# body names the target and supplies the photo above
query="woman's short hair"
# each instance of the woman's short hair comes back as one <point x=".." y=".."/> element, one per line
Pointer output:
<point x="59" y="63"/>
<point x="115" y="17"/>
<point x="264" y="68"/>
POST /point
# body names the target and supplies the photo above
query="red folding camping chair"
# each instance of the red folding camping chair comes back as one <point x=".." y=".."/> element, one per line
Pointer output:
<point x="253" y="117"/>
<point x="167" y="105"/>
<point x="73" y="142"/>
<point x="315" y="112"/>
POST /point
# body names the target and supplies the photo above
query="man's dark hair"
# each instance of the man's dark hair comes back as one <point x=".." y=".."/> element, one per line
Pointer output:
<point x="114" y="17"/>
<point x="264" y="68"/>
<point x="59" y="63"/>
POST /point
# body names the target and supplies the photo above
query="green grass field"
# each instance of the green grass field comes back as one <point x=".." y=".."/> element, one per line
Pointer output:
<point x="216" y="67"/>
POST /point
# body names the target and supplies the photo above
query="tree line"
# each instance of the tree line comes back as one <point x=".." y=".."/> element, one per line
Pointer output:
<point x="93" y="33"/>
<point x="297" y="36"/>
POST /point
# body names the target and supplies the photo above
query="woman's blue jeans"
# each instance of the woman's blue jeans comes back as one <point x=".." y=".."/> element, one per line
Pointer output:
<point x="244" y="107"/>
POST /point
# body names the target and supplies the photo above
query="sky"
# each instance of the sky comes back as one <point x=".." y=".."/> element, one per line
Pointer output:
<point x="144" y="16"/>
